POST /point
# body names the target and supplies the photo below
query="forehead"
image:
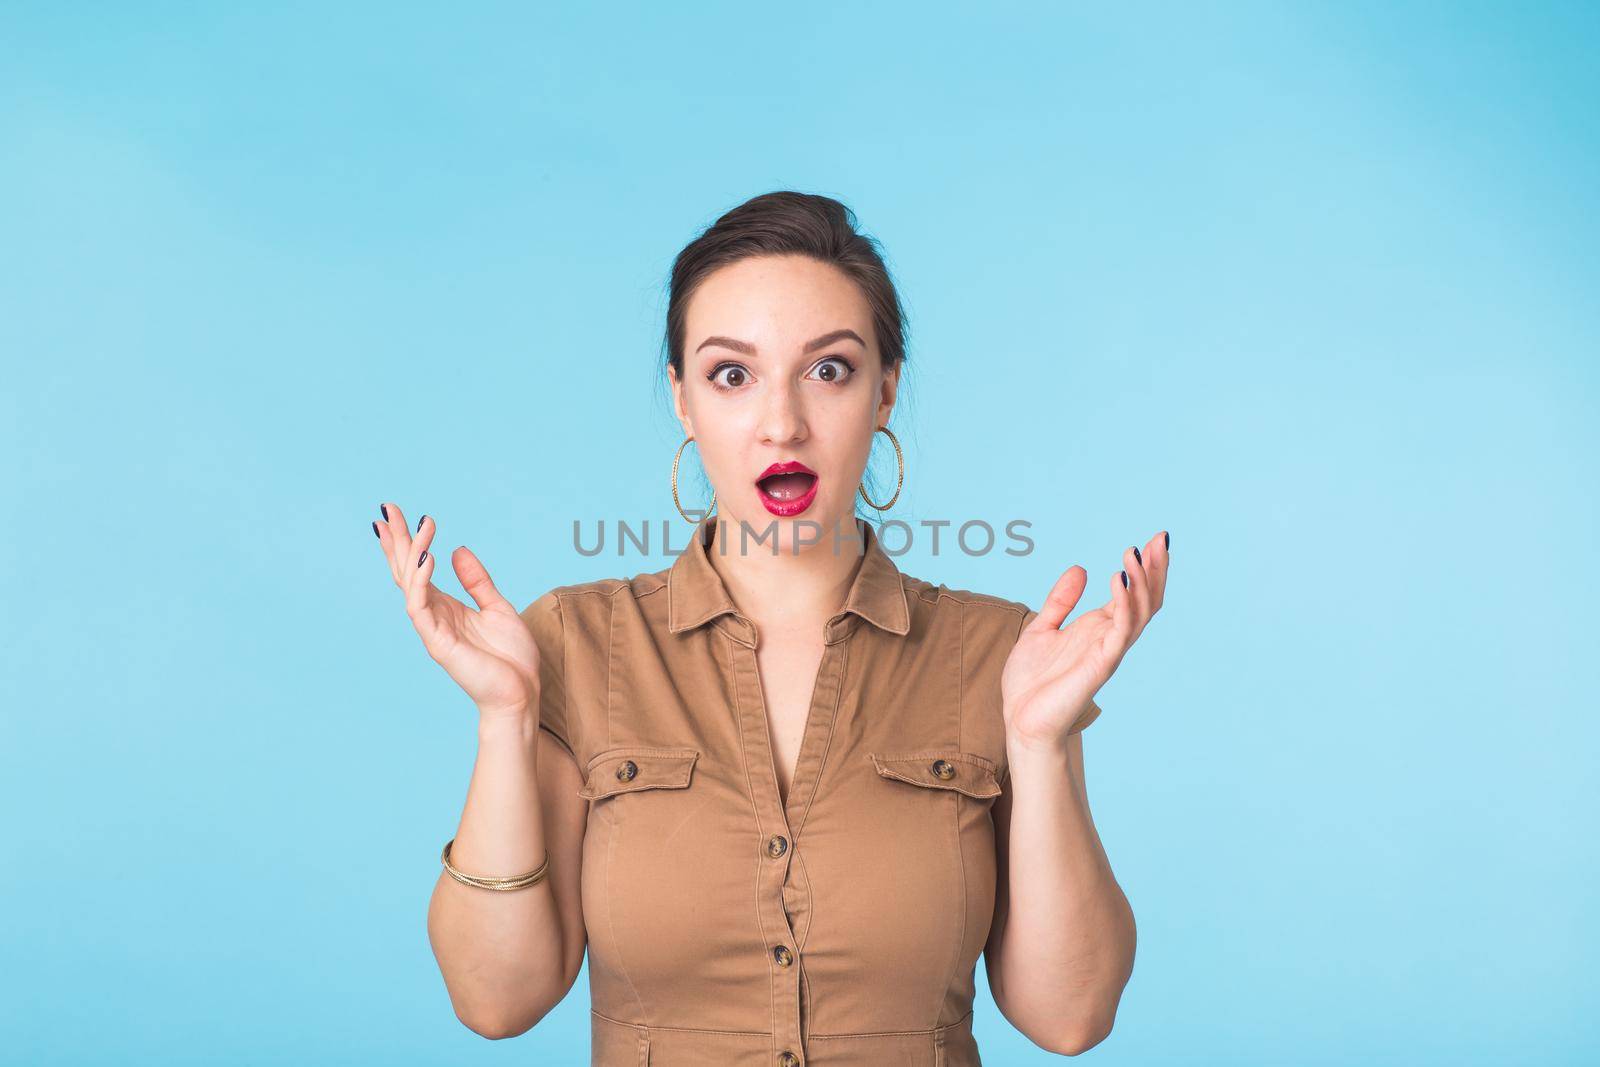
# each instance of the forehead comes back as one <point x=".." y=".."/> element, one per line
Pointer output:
<point x="777" y="303"/>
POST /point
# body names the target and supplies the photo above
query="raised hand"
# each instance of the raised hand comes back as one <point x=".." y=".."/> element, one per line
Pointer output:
<point x="489" y="652"/>
<point x="1052" y="674"/>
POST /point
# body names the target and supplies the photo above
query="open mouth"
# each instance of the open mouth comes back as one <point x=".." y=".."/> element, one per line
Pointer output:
<point x="787" y="488"/>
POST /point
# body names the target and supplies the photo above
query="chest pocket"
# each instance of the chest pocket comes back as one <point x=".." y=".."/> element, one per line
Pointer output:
<point x="647" y="907"/>
<point x="629" y="770"/>
<point x="921" y="928"/>
<point x="946" y="768"/>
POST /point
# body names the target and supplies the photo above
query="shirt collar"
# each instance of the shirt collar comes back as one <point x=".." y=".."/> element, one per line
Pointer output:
<point x="696" y="593"/>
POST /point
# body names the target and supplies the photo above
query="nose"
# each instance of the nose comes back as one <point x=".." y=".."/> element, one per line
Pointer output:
<point x="783" y="420"/>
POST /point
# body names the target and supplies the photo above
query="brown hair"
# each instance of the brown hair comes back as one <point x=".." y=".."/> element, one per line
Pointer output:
<point x="789" y="223"/>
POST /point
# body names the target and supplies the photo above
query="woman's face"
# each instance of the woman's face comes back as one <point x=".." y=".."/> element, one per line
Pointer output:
<point x="781" y="365"/>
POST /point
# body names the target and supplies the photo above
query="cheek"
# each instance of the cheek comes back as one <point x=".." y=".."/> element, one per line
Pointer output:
<point x="847" y="459"/>
<point x="721" y="444"/>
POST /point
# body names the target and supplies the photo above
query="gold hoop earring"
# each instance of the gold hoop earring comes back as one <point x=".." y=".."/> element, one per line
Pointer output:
<point x="900" y="478"/>
<point x="675" y="502"/>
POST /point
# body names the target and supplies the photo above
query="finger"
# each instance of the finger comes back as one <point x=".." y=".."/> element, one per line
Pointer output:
<point x="1062" y="599"/>
<point x="1155" y="569"/>
<point x="1123" y="611"/>
<point x="1138" y="586"/>
<point x="386" y="541"/>
<point x="475" y="578"/>
<point x="400" y="538"/>
<point x="419" y="587"/>
<point x="418" y="555"/>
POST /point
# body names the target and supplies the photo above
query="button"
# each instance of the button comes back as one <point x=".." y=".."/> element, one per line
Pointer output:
<point x="788" y="1059"/>
<point x="627" y="770"/>
<point x="944" y="768"/>
<point x="783" y="955"/>
<point x="777" y="846"/>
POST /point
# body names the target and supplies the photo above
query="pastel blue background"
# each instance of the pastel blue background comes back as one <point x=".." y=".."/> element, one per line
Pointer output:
<point x="1312" y="286"/>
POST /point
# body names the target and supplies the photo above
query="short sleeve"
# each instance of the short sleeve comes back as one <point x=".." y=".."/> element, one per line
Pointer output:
<point x="1093" y="711"/>
<point x="543" y="618"/>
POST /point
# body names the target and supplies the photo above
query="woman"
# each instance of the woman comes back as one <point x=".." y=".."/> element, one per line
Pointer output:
<point x="783" y="793"/>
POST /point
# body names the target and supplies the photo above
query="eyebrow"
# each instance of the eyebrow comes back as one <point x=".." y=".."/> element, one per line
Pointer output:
<point x="811" y="346"/>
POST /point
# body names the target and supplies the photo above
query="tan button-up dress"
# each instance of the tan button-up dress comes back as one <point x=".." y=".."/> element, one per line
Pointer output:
<point x="728" y="925"/>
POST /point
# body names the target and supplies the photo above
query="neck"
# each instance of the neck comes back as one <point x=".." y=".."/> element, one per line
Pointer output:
<point x="781" y="589"/>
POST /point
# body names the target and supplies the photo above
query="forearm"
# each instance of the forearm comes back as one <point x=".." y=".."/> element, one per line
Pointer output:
<point x="500" y="952"/>
<point x="1066" y="950"/>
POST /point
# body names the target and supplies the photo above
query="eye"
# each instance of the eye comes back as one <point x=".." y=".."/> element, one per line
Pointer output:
<point x="735" y="377"/>
<point x="834" y="369"/>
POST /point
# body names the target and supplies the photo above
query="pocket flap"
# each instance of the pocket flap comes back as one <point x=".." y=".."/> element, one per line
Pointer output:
<point x="626" y="770"/>
<point x="964" y="772"/>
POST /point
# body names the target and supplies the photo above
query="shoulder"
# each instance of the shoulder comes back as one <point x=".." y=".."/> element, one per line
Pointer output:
<point x="982" y="617"/>
<point x="930" y="596"/>
<point x="975" y="632"/>
<point x="599" y="595"/>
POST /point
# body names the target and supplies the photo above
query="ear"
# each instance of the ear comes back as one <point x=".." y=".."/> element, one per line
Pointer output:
<point x="886" y="394"/>
<point x="680" y="403"/>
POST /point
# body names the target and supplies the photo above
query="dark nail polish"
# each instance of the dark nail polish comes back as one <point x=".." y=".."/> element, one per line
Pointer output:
<point x="1124" y="579"/>
<point x="422" y="557"/>
<point x="385" y="509"/>
<point x="1136" y="557"/>
<point x="419" y="522"/>
<point x="375" y="532"/>
<point x="1168" y="541"/>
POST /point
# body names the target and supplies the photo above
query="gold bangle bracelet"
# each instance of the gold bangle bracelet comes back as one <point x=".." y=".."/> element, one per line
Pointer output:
<point x="533" y="877"/>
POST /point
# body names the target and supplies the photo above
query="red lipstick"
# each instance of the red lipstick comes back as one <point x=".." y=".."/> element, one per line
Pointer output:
<point x="787" y="489"/>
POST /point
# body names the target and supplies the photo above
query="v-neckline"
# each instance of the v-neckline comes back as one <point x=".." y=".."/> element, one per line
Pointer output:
<point x="784" y="792"/>
<point x="815" y="733"/>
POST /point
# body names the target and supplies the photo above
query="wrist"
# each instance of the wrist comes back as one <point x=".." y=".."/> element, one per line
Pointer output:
<point x="1039" y="767"/>
<point x="1050" y="752"/>
<point x="503" y="722"/>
